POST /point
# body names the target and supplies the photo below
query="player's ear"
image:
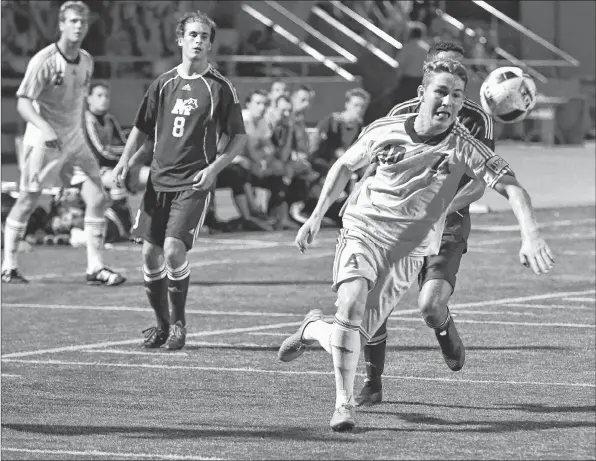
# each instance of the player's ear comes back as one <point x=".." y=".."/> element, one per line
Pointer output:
<point x="420" y="91"/>
<point x="180" y="41"/>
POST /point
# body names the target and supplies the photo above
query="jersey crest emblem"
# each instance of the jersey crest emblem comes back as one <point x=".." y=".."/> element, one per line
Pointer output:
<point x="185" y="106"/>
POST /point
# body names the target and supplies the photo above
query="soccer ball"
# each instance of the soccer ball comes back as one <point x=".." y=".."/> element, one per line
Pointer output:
<point x="508" y="94"/>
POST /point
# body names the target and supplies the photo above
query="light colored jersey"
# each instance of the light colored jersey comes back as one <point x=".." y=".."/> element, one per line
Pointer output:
<point x="414" y="183"/>
<point x="58" y="87"/>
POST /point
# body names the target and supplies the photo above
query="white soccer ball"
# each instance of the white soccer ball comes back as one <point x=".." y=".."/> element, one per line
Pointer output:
<point x="508" y="94"/>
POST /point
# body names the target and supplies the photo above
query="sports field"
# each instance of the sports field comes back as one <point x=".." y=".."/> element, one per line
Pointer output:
<point x="76" y="384"/>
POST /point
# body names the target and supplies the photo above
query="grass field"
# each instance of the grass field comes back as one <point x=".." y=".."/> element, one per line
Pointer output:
<point x="76" y="384"/>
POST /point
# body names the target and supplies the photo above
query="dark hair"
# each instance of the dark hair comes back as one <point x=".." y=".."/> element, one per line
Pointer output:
<point x="252" y="93"/>
<point x="444" y="65"/>
<point x="94" y="85"/>
<point x="358" y="93"/>
<point x="285" y="97"/>
<point x="77" y="6"/>
<point x="440" y="47"/>
<point x="416" y="32"/>
<point x="195" y="16"/>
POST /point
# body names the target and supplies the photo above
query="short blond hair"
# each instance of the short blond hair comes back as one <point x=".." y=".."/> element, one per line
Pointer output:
<point x="77" y="6"/>
<point x="444" y="65"/>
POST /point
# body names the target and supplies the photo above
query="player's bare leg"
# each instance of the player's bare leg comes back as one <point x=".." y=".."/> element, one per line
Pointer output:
<point x="156" y="287"/>
<point x="433" y="299"/>
<point x="14" y="231"/>
<point x="178" y="271"/>
<point x="95" y="232"/>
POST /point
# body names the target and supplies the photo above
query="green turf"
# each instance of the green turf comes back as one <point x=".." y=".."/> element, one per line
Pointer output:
<point x="526" y="392"/>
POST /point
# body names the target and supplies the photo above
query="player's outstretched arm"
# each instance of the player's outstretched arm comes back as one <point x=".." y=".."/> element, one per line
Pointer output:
<point x="467" y="195"/>
<point x="534" y="251"/>
<point x="135" y="137"/>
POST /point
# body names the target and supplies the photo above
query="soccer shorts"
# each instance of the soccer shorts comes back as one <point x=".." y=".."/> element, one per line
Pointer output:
<point x="454" y="243"/>
<point x="178" y="215"/>
<point x="49" y="167"/>
<point x="389" y="276"/>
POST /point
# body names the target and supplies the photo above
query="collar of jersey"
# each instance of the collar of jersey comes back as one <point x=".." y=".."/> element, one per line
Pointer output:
<point x="194" y="77"/>
<point x="70" y="61"/>
<point x="409" y="125"/>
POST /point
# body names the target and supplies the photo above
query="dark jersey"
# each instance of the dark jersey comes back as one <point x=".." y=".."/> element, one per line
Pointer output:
<point x="105" y="137"/>
<point x="333" y="133"/>
<point x="186" y="117"/>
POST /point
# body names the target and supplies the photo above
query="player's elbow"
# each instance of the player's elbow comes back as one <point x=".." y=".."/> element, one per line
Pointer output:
<point x="24" y="106"/>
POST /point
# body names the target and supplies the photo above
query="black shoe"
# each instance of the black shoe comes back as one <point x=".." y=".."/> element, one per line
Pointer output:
<point x="371" y="393"/>
<point x="451" y="344"/>
<point x="177" y="337"/>
<point x="105" y="276"/>
<point x="13" y="276"/>
<point x="155" y="337"/>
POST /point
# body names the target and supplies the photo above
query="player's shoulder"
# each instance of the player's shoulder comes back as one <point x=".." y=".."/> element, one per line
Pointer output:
<point x="475" y="111"/>
<point x="163" y="79"/>
<point x="225" y="84"/>
<point x="44" y="56"/>
<point x="461" y="132"/>
<point x="384" y="123"/>
<point x="86" y="56"/>
<point x="406" y="107"/>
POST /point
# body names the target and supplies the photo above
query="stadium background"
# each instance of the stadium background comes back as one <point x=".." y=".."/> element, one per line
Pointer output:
<point x="133" y="42"/>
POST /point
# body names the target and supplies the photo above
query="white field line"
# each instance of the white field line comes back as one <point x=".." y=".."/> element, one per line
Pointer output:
<point x="97" y="453"/>
<point x="282" y="372"/>
<point x="127" y="352"/>
<point x="573" y="236"/>
<point x="496" y="322"/>
<point x="549" y="306"/>
<point x="578" y="253"/>
<point x="581" y="300"/>
<point x="81" y="347"/>
<point x="455" y="312"/>
<point x="515" y="227"/>
<point x="10" y="375"/>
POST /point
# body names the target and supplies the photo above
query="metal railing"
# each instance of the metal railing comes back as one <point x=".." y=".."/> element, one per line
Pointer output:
<point x="299" y="43"/>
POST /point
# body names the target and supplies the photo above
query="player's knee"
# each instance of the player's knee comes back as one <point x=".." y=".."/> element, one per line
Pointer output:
<point x="351" y="299"/>
<point x="24" y="205"/>
<point x="152" y="255"/>
<point x="174" y="251"/>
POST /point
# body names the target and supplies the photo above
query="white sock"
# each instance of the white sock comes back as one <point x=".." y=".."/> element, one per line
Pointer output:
<point x="345" y="343"/>
<point x="320" y="331"/>
<point x="13" y="234"/>
<point x="95" y="232"/>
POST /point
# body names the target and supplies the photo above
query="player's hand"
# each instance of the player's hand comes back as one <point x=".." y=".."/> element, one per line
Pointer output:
<point x="204" y="180"/>
<point x="50" y="138"/>
<point x="306" y="234"/>
<point x="119" y="173"/>
<point x="536" y="254"/>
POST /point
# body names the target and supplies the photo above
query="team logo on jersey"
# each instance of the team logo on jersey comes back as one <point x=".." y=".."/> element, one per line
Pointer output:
<point x="58" y="78"/>
<point x="185" y="106"/>
<point x="391" y="153"/>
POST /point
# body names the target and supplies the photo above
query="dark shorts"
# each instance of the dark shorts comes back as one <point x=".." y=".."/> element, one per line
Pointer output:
<point x="171" y="214"/>
<point x="454" y="243"/>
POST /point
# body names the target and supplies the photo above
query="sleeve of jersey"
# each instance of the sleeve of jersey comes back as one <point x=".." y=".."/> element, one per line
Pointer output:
<point x="93" y="139"/>
<point x="147" y="114"/>
<point x="231" y="113"/>
<point x="483" y="164"/>
<point x="406" y="107"/>
<point x="360" y="154"/>
<point x="37" y="76"/>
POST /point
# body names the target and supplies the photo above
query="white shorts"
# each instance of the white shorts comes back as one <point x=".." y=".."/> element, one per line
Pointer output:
<point x="49" y="167"/>
<point x="389" y="275"/>
<point x="136" y="180"/>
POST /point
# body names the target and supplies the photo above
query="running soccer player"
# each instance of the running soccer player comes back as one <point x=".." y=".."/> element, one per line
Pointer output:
<point x="51" y="99"/>
<point x="438" y="275"/>
<point x="387" y="222"/>
<point x="185" y="111"/>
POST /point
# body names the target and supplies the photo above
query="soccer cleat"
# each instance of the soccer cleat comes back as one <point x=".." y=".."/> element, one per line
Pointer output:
<point x="371" y="393"/>
<point x="177" y="337"/>
<point x="344" y="418"/>
<point x="294" y="346"/>
<point x="451" y="344"/>
<point x="105" y="276"/>
<point x="154" y="337"/>
<point x="13" y="276"/>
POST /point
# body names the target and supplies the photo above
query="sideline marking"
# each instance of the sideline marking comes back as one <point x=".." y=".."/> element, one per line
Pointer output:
<point x="102" y="453"/>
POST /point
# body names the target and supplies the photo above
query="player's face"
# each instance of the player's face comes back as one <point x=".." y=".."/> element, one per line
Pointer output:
<point x="355" y="108"/>
<point x="196" y="41"/>
<point x="442" y="99"/>
<point x="74" y="26"/>
<point x="257" y="105"/>
<point x="301" y="101"/>
<point x="449" y="55"/>
<point x="277" y="89"/>
<point x="99" y="100"/>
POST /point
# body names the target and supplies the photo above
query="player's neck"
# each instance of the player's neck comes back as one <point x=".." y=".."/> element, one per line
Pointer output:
<point x="425" y="130"/>
<point x="192" y="69"/>
<point x="68" y="48"/>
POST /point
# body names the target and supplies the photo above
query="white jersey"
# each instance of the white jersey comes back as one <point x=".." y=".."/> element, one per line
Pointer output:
<point x="402" y="207"/>
<point x="58" y="87"/>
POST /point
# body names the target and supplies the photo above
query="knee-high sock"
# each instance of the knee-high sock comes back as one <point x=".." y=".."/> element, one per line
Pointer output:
<point x="345" y="350"/>
<point x="178" y="281"/>
<point x="95" y="231"/>
<point x="320" y="331"/>
<point x="156" y="287"/>
<point x="374" y="354"/>
<point x="13" y="234"/>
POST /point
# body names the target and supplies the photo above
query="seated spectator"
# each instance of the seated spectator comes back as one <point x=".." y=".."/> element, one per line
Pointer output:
<point x="250" y="47"/>
<point x="278" y="88"/>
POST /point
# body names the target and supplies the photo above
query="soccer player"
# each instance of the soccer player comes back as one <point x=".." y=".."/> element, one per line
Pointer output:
<point x="438" y="275"/>
<point x="185" y="111"/>
<point x="50" y="100"/>
<point x="388" y="221"/>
